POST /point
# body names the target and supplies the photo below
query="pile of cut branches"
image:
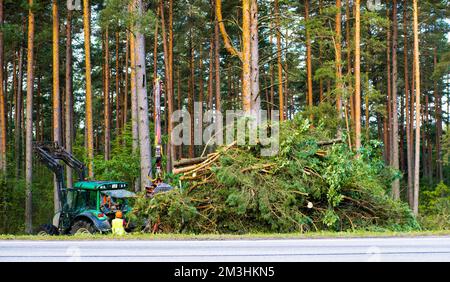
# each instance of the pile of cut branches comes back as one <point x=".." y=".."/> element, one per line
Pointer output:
<point x="314" y="183"/>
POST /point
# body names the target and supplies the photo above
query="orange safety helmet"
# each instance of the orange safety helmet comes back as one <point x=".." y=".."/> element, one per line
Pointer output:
<point x="118" y="214"/>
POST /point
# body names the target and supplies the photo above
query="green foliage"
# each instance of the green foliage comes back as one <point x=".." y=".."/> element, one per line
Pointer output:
<point x="116" y="15"/>
<point x="346" y="192"/>
<point x="435" y="208"/>
<point x="123" y="165"/>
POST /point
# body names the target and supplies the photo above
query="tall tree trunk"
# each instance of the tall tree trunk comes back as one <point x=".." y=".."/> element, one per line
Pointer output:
<point x="338" y="59"/>
<point x="89" y="119"/>
<point x="357" y="76"/>
<point x="246" y="57"/>
<point x="349" y="61"/>
<point x="256" y="98"/>
<point x="217" y="64"/>
<point x="280" y="66"/>
<point x="3" y="132"/>
<point x="438" y="117"/>
<point x="171" y="149"/>
<point x="141" y="91"/>
<point x="69" y="94"/>
<point x="38" y="108"/>
<point x="134" y="101"/>
<point x="389" y="145"/>
<point x="408" y="107"/>
<point x="107" y="117"/>
<point x="271" y="73"/>
<point x="211" y="73"/>
<point x="167" y="45"/>
<point x="367" y="115"/>
<point x="191" y="93"/>
<point x="57" y="132"/>
<point x="180" y="148"/>
<point x="429" y="146"/>
<point x="29" y="124"/>
<point x="200" y="83"/>
<point x="118" y="98"/>
<point x="125" y="93"/>
<point x="417" y="85"/>
<point x="18" y="115"/>
<point x="14" y="92"/>
<point x="395" y="153"/>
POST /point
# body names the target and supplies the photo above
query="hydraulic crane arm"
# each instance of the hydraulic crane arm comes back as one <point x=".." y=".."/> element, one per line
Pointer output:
<point x="59" y="153"/>
<point x="72" y="162"/>
<point x="48" y="160"/>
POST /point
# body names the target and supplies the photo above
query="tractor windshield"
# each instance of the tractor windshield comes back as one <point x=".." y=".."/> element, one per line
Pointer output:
<point x="81" y="200"/>
<point x="114" y="200"/>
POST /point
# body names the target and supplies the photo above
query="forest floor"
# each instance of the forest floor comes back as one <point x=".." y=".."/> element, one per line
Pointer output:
<point x="255" y="236"/>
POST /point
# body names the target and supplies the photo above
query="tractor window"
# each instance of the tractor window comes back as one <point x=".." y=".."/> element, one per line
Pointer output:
<point x="82" y="200"/>
<point x="92" y="200"/>
<point x="71" y="199"/>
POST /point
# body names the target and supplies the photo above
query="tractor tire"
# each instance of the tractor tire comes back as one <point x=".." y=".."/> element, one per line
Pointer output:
<point x="47" y="230"/>
<point x="83" y="227"/>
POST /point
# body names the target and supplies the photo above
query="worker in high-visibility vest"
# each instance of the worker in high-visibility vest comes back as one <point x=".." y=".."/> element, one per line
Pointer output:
<point x="117" y="224"/>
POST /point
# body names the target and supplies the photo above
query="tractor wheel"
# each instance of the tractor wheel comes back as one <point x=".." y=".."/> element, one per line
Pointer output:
<point x="83" y="227"/>
<point x="47" y="229"/>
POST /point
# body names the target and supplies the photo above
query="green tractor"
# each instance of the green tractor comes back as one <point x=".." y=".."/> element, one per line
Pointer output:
<point x="88" y="207"/>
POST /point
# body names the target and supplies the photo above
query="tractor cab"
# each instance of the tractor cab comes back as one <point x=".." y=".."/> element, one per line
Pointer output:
<point x="94" y="203"/>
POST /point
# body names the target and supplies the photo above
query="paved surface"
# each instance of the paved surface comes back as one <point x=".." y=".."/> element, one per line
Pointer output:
<point x="355" y="249"/>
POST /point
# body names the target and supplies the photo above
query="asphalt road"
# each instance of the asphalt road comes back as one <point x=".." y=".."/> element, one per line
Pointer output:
<point x="355" y="249"/>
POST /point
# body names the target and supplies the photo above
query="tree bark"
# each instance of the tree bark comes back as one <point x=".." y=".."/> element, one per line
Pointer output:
<point x="3" y="132"/>
<point x="280" y="66"/>
<point x="338" y="59"/>
<point x="357" y="76"/>
<point x="118" y="98"/>
<point x="191" y="92"/>
<point x="211" y="74"/>
<point x="168" y="45"/>
<point x="246" y="57"/>
<point x="29" y="124"/>
<point x="438" y="117"/>
<point x="125" y="93"/>
<point x="89" y="119"/>
<point x="408" y="107"/>
<point x="417" y="85"/>
<point x="180" y="148"/>
<point x="107" y="110"/>
<point x="217" y="64"/>
<point x="57" y="132"/>
<point x="69" y="95"/>
<point x="349" y="62"/>
<point x="395" y="126"/>
<point x="141" y="91"/>
<point x="256" y="98"/>
<point x="389" y="144"/>
<point x="134" y="101"/>
<point x="18" y="114"/>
